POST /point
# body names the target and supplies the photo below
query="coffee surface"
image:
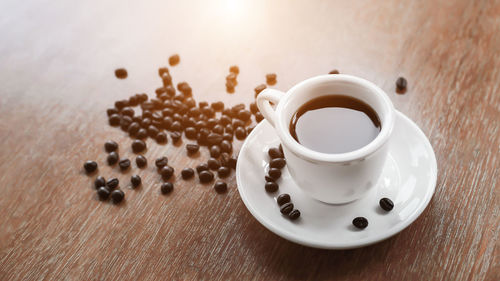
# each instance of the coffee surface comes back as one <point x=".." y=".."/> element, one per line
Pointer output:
<point x="335" y="124"/>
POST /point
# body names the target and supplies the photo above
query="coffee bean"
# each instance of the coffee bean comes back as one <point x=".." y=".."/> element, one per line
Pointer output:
<point x="103" y="193"/>
<point x="141" y="161"/>
<point x="202" y="167"/>
<point x="110" y="146"/>
<point x="283" y="198"/>
<point x="184" y="88"/>
<point x="167" y="187"/>
<point x="99" y="181"/>
<point x="223" y="172"/>
<point x="174" y="59"/>
<point x="286" y="208"/>
<point x="212" y="122"/>
<point x="112" y="158"/>
<point x="386" y="204"/>
<point x="111" y="111"/>
<point x="128" y="111"/>
<point x="274" y="152"/>
<point x="161" y="138"/>
<point x="90" y="166"/>
<point x="215" y="151"/>
<point x="230" y="86"/>
<point x="238" y="123"/>
<point x="271" y="79"/>
<point x="135" y="180"/>
<point x="274" y="173"/>
<point x="121" y="73"/>
<point x="240" y="133"/>
<point x="114" y="120"/>
<point x="227" y="136"/>
<point x="271" y="186"/>
<point x="278" y="163"/>
<point x="166" y="172"/>
<point x="192" y="148"/>
<point x="190" y="103"/>
<point x="259" y="89"/>
<point x="224" y="159"/>
<point x="191" y="133"/>
<point x="360" y="222"/>
<point x="218" y="129"/>
<point x="206" y="176"/>
<point x="176" y="126"/>
<point x="138" y="146"/>
<point x="166" y="79"/>
<point x="124" y="164"/>
<point x="125" y="123"/>
<point x="133" y="129"/>
<point x="268" y="178"/>
<point x="214" y="138"/>
<point x="244" y="115"/>
<point x="167" y="123"/>
<point x="232" y="163"/>
<point x="176" y="136"/>
<point x="133" y="100"/>
<point x="401" y="85"/>
<point x="187" y="173"/>
<point x="334" y="72"/>
<point x="250" y="129"/>
<point x="295" y="214"/>
<point x="226" y="146"/>
<point x="161" y="162"/>
<point x="234" y="69"/>
<point x="213" y="164"/>
<point x="220" y="187"/>
<point x="117" y="196"/>
<point x="258" y="117"/>
<point x="162" y="70"/>
<point x="231" y="77"/>
<point x="112" y="183"/>
<point x="145" y="122"/>
<point x="217" y="106"/>
<point x="152" y="131"/>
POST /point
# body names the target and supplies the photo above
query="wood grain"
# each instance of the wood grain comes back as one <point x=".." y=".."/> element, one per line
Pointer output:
<point x="57" y="62"/>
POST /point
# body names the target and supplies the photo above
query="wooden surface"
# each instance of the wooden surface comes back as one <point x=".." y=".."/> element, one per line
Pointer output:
<point x="57" y="60"/>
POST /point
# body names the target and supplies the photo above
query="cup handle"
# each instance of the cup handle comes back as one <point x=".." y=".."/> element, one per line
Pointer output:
<point x="263" y="103"/>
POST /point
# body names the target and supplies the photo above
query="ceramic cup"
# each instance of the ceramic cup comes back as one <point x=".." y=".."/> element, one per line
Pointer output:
<point x="330" y="178"/>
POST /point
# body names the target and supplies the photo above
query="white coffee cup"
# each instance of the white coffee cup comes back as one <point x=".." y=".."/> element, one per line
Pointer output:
<point x="330" y="178"/>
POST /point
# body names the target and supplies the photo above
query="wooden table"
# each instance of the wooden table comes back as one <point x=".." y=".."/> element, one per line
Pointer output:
<point x="57" y="79"/>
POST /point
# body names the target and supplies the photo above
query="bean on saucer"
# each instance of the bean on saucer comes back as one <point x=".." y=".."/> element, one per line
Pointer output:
<point x="360" y="222"/>
<point x="386" y="204"/>
<point x="286" y="208"/>
<point x="283" y="198"/>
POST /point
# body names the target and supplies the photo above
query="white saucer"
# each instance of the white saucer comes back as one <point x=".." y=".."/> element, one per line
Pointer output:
<point x="408" y="179"/>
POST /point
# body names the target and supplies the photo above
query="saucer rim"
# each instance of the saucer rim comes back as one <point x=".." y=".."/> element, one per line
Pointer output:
<point x="352" y="244"/>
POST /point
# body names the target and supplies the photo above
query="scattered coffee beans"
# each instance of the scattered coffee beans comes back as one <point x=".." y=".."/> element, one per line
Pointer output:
<point x="121" y="73"/>
<point x="220" y="187"/>
<point x="135" y="180"/>
<point x="271" y="186"/>
<point x="286" y="208"/>
<point x="112" y="183"/>
<point x="161" y="162"/>
<point x="124" y="164"/>
<point x="138" y="146"/>
<point x="283" y="198"/>
<point x="386" y="204"/>
<point x="174" y="59"/>
<point x="103" y="193"/>
<point x="167" y="187"/>
<point x="360" y="222"/>
<point x="110" y="146"/>
<point x="206" y="176"/>
<point x="141" y="161"/>
<point x="90" y="166"/>
<point x="99" y="181"/>
<point x="166" y="172"/>
<point x="271" y="79"/>
<point x="117" y="196"/>
<point x="187" y="173"/>
<point x="295" y="214"/>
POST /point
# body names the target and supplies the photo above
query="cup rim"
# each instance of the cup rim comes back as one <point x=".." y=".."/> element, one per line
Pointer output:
<point x="358" y="154"/>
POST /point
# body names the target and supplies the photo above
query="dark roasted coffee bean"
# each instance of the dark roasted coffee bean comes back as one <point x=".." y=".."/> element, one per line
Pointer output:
<point x="152" y="131"/>
<point x="162" y="70"/>
<point x="161" y="162"/>
<point x="202" y="104"/>
<point x="234" y="69"/>
<point x="240" y="133"/>
<point x="135" y="180"/>
<point x="114" y="120"/>
<point x="217" y="106"/>
<point x="386" y="204"/>
<point x="166" y="172"/>
<point x="190" y="103"/>
<point x="185" y="89"/>
<point x="271" y="79"/>
<point x="206" y="176"/>
<point x="99" y="181"/>
<point x="231" y="77"/>
<point x="170" y="91"/>
<point x="112" y="183"/>
<point x="124" y="164"/>
<point x="90" y="166"/>
<point x="167" y="123"/>
<point x="228" y="112"/>
<point x="187" y="173"/>
<point x="192" y="148"/>
<point x="334" y="72"/>
<point x="146" y="114"/>
<point x="145" y="123"/>
<point x="224" y="159"/>
<point x="218" y="129"/>
<point x="160" y="91"/>
<point x="188" y="121"/>
<point x="167" y="112"/>
<point x="271" y="186"/>
<point x="401" y="85"/>
<point x="238" y="123"/>
<point x="142" y="97"/>
<point x="201" y="124"/>
<point x="176" y="126"/>
<point x="226" y="146"/>
<point x="156" y="116"/>
<point x="138" y="146"/>
<point x="214" y="138"/>
<point x="360" y="222"/>
<point x="142" y="134"/>
<point x="244" y="115"/>
<point x="268" y="178"/>
<point x="121" y="73"/>
<point x="259" y="89"/>
<point x="161" y="138"/>
<point x="117" y="196"/>
<point x="224" y="120"/>
<point x="230" y="86"/>
<point x="191" y="133"/>
<point x="237" y="107"/>
<point x="232" y="163"/>
<point x="227" y="136"/>
<point x="253" y="108"/>
<point x="179" y="97"/>
<point x="103" y="193"/>
<point x="112" y="158"/>
<point x="121" y="104"/>
<point x="125" y="122"/>
<point x="128" y="111"/>
<point x="215" y="151"/>
<point x="220" y="187"/>
<point x="295" y="214"/>
<point x="213" y="164"/>
<point x="283" y="198"/>
<point x="274" y="152"/>
<point x="166" y="79"/>
<point x="278" y="163"/>
<point x="167" y="187"/>
<point x="174" y="59"/>
<point x="133" y="129"/>
<point x="275" y="173"/>
<point x="141" y="161"/>
<point x="223" y="172"/>
<point x="194" y="112"/>
<point x="202" y="167"/>
<point x="286" y="208"/>
<point x="212" y="122"/>
<point x="258" y="117"/>
<point x="176" y="137"/>
<point x="209" y="112"/>
<point x="111" y="111"/>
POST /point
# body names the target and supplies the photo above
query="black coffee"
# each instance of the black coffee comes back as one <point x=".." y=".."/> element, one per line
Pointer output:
<point x="335" y="124"/>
